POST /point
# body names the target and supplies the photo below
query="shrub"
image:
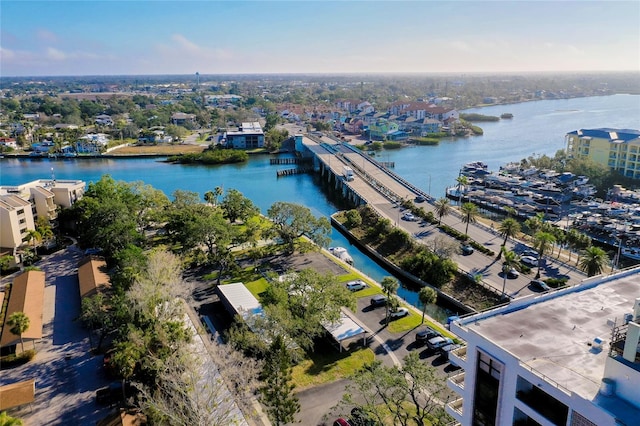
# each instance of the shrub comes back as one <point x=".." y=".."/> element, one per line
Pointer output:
<point x="392" y="145"/>
<point x="13" y="360"/>
<point x="556" y="282"/>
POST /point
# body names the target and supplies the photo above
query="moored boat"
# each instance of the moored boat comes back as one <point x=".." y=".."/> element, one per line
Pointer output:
<point x="506" y="115"/>
<point x="631" y="252"/>
<point x="342" y="254"/>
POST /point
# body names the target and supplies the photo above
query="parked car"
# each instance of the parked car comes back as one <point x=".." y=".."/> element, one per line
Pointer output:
<point x="356" y="285"/>
<point x="419" y="199"/>
<point x="529" y="261"/>
<point x="539" y="285"/>
<point x="399" y="312"/>
<point x="92" y="251"/>
<point x="426" y="334"/>
<point x="408" y="217"/>
<point x="446" y="350"/>
<point x="529" y="252"/>
<point x="438" y="342"/>
<point x="342" y="422"/>
<point x="466" y="249"/>
<point x="378" y="300"/>
<point x="513" y="273"/>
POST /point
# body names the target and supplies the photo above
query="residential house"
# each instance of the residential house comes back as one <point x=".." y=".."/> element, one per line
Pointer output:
<point x="222" y="100"/>
<point x="103" y="120"/>
<point x="93" y="143"/>
<point x="381" y="129"/>
<point x="618" y="149"/>
<point x="565" y="357"/>
<point x="8" y="143"/>
<point x="26" y="296"/>
<point x="181" y="118"/>
<point x="248" y="136"/>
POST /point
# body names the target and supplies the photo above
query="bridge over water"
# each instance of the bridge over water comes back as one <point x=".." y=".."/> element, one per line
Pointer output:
<point x="383" y="190"/>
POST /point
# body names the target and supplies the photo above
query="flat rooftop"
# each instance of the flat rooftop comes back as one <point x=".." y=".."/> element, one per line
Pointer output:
<point x="555" y="337"/>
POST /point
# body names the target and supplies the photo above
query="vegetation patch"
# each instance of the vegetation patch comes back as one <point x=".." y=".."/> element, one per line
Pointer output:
<point x="13" y="360"/>
<point x="211" y="156"/>
<point x="478" y="117"/>
<point x="327" y="367"/>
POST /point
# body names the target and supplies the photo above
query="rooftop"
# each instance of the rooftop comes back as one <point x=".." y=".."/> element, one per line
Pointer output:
<point x="556" y="338"/>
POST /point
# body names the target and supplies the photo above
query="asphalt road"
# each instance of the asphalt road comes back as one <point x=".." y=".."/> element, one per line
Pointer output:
<point x="479" y="263"/>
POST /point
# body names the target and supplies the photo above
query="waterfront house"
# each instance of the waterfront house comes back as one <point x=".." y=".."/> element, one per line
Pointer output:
<point x="618" y="149"/>
<point x="181" y="118"/>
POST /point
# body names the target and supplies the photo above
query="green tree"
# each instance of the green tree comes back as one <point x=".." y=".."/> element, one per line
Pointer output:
<point x="427" y="296"/>
<point x="33" y="236"/>
<point x="237" y="206"/>
<point x="542" y="242"/>
<point x="300" y="303"/>
<point x="353" y="219"/>
<point x="508" y="228"/>
<point x="461" y="181"/>
<point x="7" y="420"/>
<point x="389" y="288"/>
<point x="442" y="208"/>
<point x="511" y="260"/>
<point x="277" y="393"/>
<point x="292" y="221"/>
<point x="469" y="215"/>
<point x="593" y="260"/>
<point x="18" y="323"/>
<point x="96" y="315"/>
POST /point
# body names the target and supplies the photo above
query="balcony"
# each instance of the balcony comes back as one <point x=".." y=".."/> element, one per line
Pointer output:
<point x="455" y="409"/>
<point x="459" y="357"/>
<point x="456" y="383"/>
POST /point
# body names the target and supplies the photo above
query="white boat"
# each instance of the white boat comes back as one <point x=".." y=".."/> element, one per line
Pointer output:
<point x="342" y="254"/>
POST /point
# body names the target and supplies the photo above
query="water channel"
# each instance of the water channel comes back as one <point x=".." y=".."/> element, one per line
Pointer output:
<point x="537" y="128"/>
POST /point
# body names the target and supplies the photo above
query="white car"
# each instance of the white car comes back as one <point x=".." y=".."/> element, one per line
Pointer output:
<point x="409" y="217"/>
<point x="356" y="285"/>
<point x="529" y="261"/>
<point x="399" y="313"/>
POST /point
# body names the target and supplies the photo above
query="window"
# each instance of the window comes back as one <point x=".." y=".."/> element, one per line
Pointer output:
<point x="485" y="402"/>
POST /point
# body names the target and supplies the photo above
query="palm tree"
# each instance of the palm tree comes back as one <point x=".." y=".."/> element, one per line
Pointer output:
<point x="33" y="235"/>
<point x="593" y="260"/>
<point x="542" y="242"/>
<point x="462" y="181"/>
<point x="427" y="296"/>
<point x="443" y="208"/>
<point x="19" y="323"/>
<point x="209" y="197"/>
<point x="469" y="215"/>
<point x="508" y="228"/>
<point x="511" y="260"/>
<point x="389" y="287"/>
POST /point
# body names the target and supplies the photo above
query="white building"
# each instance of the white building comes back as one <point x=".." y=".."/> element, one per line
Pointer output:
<point x="248" y="136"/>
<point x="569" y="357"/>
<point x="21" y="205"/>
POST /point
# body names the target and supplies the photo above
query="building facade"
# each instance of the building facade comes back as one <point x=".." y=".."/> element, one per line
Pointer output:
<point x="21" y="205"/>
<point x="248" y="136"/>
<point x="617" y="149"/>
<point x="569" y="357"/>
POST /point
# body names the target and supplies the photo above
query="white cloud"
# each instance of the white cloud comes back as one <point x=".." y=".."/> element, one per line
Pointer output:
<point x="55" y="54"/>
<point x="6" y="54"/>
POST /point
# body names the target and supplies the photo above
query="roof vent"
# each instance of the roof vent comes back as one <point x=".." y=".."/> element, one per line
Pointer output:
<point x="607" y="387"/>
<point x="597" y="343"/>
<point x="628" y="318"/>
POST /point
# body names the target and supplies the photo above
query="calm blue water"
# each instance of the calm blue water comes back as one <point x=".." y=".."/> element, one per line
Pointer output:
<point x="537" y="128"/>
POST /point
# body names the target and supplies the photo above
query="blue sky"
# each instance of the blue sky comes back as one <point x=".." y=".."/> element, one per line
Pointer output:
<point x="219" y="37"/>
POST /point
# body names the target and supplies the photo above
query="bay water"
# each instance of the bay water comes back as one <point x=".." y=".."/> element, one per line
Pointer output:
<point x="536" y="128"/>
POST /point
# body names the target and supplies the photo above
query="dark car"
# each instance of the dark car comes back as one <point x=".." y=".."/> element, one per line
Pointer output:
<point x="539" y="285"/>
<point x="419" y="199"/>
<point x="466" y="249"/>
<point x="425" y="335"/>
<point x="438" y="342"/>
<point x="378" y="300"/>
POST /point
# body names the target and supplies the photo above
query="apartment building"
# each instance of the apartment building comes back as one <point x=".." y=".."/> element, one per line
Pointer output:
<point x="569" y="357"/>
<point x="248" y="136"/>
<point x="21" y="205"/>
<point x="618" y="149"/>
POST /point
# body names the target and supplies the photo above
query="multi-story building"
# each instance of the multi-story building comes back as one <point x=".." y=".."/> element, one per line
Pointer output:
<point x="248" y="136"/>
<point x="618" y="149"/>
<point x="21" y="205"/>
<point x="569" y="357"/>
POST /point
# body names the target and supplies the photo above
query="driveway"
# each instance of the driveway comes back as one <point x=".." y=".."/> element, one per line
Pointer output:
<point x="66" y="374"/>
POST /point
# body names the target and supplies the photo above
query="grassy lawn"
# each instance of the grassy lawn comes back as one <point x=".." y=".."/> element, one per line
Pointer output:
<point x="327" y="367"/>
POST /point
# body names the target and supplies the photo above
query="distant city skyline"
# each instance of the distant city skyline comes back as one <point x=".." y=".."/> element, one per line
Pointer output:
<point x="68" y="38"/>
